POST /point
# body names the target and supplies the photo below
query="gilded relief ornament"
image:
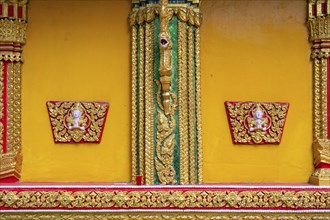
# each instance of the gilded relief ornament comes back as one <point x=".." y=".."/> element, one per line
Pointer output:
<point x="77" y="122"/>
<point x="166" y="101"/>
<point x="256" y="123"/>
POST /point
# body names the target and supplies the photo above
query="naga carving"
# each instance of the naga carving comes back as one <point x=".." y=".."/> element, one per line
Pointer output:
<point x="166" y="102"/>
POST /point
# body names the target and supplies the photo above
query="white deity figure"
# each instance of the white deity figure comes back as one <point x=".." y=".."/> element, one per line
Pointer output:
<point x="258" y="122"/>
<point x="76" y="121"/>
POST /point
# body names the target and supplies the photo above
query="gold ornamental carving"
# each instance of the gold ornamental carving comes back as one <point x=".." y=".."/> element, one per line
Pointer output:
<point x="77" y="122"/>
<point x="11" y="159"/>
<point x="148" y="14"/>
<point x="165" y="199"/>
<point x="166" y="101"/>
<point x="164" y="216"/>
<point x="321" y="151"/>
<point x="256" y="123"/>
<point x="13" y="31"/>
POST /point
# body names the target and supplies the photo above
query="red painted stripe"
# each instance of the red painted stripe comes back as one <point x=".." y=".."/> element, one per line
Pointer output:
<point x="314" y="10"/>
<point x="10" y="11"/>
<point x="20" y="12"/>
<point x="4" y="100"/>
<point x="323" y="165"/>
<point x="324" y="8"/>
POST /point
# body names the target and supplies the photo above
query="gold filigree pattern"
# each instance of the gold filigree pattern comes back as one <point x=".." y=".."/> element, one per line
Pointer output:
<point x="183" y="97"/>
<point x="77" y="121"/>
<point x="316" y="99"/>
<point x="11" y="161"/>
<point x="320" y="53"/>
<point x="12" y="31"/>
<point x="166" y="199"/>
<point x="165" y="140"/>
<point x="198" y="107"/>
<point x="148" y="14"/>
<point x="149" y="107"/>
<point x="1" y="106"/>
<point x="164" y="216"/>
<point x="134" y="104"/>
<point x="256" y="123"/>
<point x="324" y="98"/>
<point x="11" y="56"/>
<point x="141" y="100"/>
<point x="319" y="28"/>
<point x="191" y="103"/>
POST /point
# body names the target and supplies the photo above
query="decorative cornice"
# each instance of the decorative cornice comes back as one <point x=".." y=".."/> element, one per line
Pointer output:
<point x="12" y="31"/>
<point x="148" y="14"/>
<point x="178" y="199"/>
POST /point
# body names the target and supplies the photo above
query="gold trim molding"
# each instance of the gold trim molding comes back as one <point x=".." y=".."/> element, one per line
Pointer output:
<point x="198" y="199"/>
<point x="164" y="216"/>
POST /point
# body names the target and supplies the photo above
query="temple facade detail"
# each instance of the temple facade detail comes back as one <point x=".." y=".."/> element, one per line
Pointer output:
<point x="166" y="113"/>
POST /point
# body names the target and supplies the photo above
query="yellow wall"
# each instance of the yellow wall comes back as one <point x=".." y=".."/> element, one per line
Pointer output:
<point x="256" y="51"/>
<point x="76" y="50"/>
<point x="251" y="50"/>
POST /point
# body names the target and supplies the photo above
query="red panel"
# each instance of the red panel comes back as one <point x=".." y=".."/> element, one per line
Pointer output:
<point x="323" y="165"/>
<point x="10" y="11"/>
<point x="0" y="9"/>
<point x="314" y="10"/>
<point x="324" y="8"/>
<point x="20" y="12"/>
<point x="9" y="180"/>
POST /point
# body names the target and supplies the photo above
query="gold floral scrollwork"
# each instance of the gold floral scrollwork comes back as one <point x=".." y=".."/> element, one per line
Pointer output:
<point x="77" y="121"/>
<point x="256" y="123"/>
<point x="119" y="199"/>
<point x="165" y="141"/>
<point x="164" y="216"/>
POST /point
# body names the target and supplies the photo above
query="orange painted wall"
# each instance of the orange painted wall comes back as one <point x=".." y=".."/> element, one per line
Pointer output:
<point x="251" y="50"/>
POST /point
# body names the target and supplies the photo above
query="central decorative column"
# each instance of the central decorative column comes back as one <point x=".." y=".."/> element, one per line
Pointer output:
<point x="166" y="112"/>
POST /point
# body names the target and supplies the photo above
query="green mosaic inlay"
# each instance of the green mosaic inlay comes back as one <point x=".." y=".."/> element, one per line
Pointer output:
<point x="174" y="38"/>
<point x="156" y="77"/>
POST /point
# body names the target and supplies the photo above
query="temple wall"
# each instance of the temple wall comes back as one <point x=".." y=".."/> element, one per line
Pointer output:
<point x="250" y="51"/>
<point x="77" y="50"/>
<point x="256" y="51"/>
